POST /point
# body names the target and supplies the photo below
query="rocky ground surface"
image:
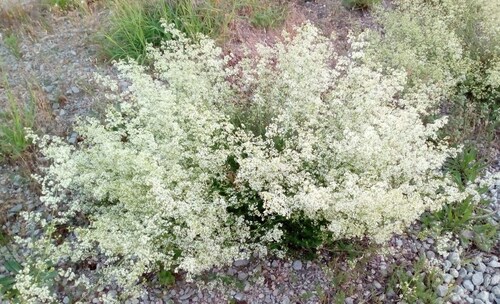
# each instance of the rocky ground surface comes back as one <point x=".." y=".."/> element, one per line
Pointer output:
<point x="60" y="61"/>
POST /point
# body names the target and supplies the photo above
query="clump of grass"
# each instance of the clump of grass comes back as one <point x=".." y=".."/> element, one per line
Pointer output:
<point x="360" y="4"/>
<point x="416" y="282"/>
<point x="135" y="24"/>
<point x="267" y="14"/>
<point x="13" y="123"/>
<point x="12" y="42"/>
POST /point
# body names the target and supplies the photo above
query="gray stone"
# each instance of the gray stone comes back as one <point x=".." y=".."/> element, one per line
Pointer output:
<point x="477" y="278"/>
<point x="75" y="90"/>
<point x="390" y="293"/>
<point x="481" y="267"/>
<point x="484" y="296"/>
<point x="455" y="299"/>
<point x="447" y="278"/>
<point x="285" y="300"/>
<point x="459" y="290"/>
<point x="496" y="291"/>
<point x="239" y="296"/>
<point x="186" y="295"/>
<point x="454" y="273"/>
<point x="430" y="254"/>
<point x="447" y="265"/>
<point x="462" y="273"/>
<point x="467" y="284"/>
<point x="240" y="263"/>
<point x="49" y="89"/>
<point x="454" y="258"/>
<point x="16" y="209"/>
<point x="377" y="285"/>
<point x="242" y="275"/>
<point x="297" y="265"/>
<point x="275" y="264"/>
<point x="495" y="280"/>
<point x="348" y="300"/>
<point x="477" y="301"/>
<point x="494" y="264"/>
<point x="487" y="280"/>
<point x="73" y="138"/>
<point x="66" y="300"/>
<point x="442" y="290"/>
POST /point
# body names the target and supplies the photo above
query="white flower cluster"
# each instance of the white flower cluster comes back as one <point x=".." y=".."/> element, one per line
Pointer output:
<point x="157" y="184"/>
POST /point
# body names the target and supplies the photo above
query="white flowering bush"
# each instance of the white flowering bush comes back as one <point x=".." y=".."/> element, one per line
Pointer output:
<point x="452" y="46"/>
<point x="203" y="161"/>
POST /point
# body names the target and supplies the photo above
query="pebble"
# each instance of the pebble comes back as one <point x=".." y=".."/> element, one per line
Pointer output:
<point x="285" y="300"/>
<point x="467" y="284"/>
<point x="241" y="263"/>
<point x="242" y="275"/>
<point x="297" y="265"/>
<point x="447" y="278"/>
<point x="455" y="298"/>
<point x="487" y="280"/>
<point x="239" y="296"/>
<point x="377" y="285"/>
<point x="454" y="258"/>
<point x="477" y="278"/>
<point x="495" y="280"/>
<point x="494" y="264"/>
<point x="484" y="296"/>
<point x="481" y="267"/>
<point x="49" y="89"/>
<point x="16" y="209"/>
<point x="73" y="138"/>
<point x="447" y="265"/>
<point x="442" y="290"/>
<point x="462" y="273"/>
<point x="65" y="300"/>
<point x="349" y="300"/>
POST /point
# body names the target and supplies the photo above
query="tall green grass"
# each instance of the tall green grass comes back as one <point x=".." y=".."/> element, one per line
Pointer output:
<point x="134" y="24"/>
<point x="14" y="120"/>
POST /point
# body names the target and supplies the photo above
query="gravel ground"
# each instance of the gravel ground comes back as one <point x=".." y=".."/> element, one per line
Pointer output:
<point x="63" y="62"/>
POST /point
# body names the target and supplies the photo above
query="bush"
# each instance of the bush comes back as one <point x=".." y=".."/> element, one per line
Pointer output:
<point x="453" y="45"/>
<point x="177" y="178"/>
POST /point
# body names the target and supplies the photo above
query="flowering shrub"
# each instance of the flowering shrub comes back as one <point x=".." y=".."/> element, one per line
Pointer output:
<point x="202" y="162"/>
<point x="452" y="46"/>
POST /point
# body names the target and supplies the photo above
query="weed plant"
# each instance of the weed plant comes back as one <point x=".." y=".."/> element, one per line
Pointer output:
<point x="13" y="123"/>
<point x="415" y="282"/>
<point x="12" y="42"/>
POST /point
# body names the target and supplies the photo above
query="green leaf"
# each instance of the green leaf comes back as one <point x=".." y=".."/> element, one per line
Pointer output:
<point x="7" y="283"/>
<point x="13" y="266"/>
